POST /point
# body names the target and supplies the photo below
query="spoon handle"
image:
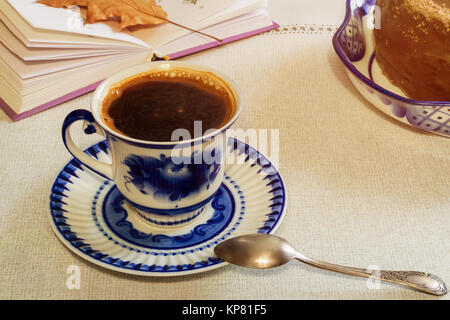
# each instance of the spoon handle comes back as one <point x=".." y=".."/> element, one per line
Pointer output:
<point x="421" y="281"/>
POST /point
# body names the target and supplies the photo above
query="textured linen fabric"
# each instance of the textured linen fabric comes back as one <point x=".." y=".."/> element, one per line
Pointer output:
<point x="363" y="189"/>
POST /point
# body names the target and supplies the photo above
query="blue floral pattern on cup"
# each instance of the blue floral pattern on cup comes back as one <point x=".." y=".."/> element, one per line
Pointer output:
<point x="170" y="177"/>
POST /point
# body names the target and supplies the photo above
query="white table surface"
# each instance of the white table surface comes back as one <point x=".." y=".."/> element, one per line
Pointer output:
<point x="364" y="190"/>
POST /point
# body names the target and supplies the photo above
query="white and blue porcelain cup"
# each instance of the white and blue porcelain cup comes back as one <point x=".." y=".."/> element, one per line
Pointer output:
<point x="163" y="189"/>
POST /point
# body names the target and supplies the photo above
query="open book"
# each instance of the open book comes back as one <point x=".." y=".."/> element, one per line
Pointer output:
<point x="48" y="55"/>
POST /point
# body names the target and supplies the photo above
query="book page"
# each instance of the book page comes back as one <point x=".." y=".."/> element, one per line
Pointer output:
<point x="28" y="54"/>
<point x="195" y="14"/>
<point x="68" y="20"/>
<point x="28" y="69"/>
<point x="32" y="37"/>
<point x="237" y="11"/>
<point x="226" y="30"/>
<point x="189" y="12"/>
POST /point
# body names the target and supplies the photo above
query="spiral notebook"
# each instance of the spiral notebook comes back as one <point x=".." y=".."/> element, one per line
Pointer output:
<point x="48" y="55"/>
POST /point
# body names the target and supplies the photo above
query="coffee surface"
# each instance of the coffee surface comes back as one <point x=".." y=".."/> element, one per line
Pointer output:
<point x="150" y="107"/>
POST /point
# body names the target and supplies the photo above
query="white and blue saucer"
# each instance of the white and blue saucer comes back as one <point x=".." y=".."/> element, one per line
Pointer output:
<point x="90" y="216"/>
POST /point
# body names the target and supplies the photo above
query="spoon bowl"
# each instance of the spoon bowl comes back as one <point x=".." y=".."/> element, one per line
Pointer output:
<point x="257" y="251"/>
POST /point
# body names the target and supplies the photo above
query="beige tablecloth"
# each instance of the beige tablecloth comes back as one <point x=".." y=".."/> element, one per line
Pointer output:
<point x="364" y="190"/>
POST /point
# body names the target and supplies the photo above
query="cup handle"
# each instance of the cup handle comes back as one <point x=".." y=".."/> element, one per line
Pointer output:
<point x="90" y="127"/>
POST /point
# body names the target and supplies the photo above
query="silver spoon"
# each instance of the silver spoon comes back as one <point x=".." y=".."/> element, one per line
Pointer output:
<point x="268" y="251"/>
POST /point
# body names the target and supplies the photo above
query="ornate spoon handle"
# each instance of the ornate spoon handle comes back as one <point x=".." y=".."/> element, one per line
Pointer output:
<point x="421" y="281"/>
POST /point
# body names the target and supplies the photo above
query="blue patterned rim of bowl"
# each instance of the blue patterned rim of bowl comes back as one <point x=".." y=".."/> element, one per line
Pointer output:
<point x="350" y="44"/>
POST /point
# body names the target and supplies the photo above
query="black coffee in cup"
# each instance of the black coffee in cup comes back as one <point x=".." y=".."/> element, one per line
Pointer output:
<point x="150" y="106"/>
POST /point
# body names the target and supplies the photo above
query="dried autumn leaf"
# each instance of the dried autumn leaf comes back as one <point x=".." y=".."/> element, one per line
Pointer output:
<point x="130" y="12"/>
<point x="64" y="3"/>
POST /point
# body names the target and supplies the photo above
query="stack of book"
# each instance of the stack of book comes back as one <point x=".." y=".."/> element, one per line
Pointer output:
<point x="49" y="55"/>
